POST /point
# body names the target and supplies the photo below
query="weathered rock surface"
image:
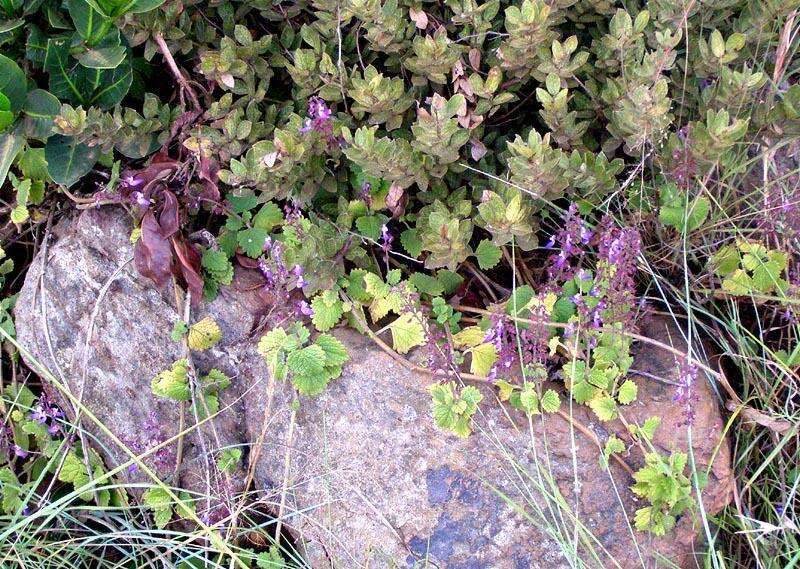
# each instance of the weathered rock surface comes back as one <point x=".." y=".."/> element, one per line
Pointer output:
<point x="371" y="481"/>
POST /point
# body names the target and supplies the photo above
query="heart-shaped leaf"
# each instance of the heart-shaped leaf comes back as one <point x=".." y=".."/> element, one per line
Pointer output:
<point x="69" y="160"/>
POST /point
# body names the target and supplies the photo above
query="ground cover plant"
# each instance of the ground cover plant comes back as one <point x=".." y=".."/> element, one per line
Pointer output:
<point x="508" y="185"/>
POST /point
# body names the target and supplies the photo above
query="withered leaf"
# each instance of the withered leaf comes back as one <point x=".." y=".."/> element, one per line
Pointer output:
<point x="152" y="254"/>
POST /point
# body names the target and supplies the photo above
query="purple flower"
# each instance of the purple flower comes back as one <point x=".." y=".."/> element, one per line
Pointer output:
<point x="133" y="180"/>
<point x="304" y="308"/>
<point x="366" y="189"/>
<point x="19" y="452"/>
<point x="319" y="120"/>
<point x="292" y="212"/>
<point x="140" y="199"/>
<point x="39" y="415"/>
<point x="687" y="377"/>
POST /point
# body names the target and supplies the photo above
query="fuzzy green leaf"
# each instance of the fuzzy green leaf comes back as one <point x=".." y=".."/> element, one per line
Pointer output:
<point x="627" y="392"/>
<point x="335" y="352"/>
<point x="550" y="401"/>
<point x="252" y="241"/>
<point x="69" y="160"/>
<point x="204" y="334"/>
<point x="484" y="357"/>
<point x="328" y="310"/>
<point x="411" y="242"/>
<point x="268" y="217"/>
<point x="407" y="332"/>
<point x="604" y="407"/>
<point x="173" y="383"/>
<point x="488" y="254"/>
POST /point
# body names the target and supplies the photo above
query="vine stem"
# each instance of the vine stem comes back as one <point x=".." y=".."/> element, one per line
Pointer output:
<point x="179" y="302"/>
<point x="173" y="67"/>
<point x="411" y="366"/>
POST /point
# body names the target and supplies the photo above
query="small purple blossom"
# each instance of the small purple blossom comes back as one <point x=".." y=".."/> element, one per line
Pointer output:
<point x="567" y="240"/>
<point x="19" y="452"/>
<point x="304" y="308"/>
<point x="385" y="242"/>
<point x="297" y="271"/>
<point x="141" y="200"/>
<point x="366" y="193"/>
<point x="292" y="212"/>
<point x="47" y="414"/>
<point x="319" y="120"/>
<point x="152" y="434"/>
<point x="687" y="377"/>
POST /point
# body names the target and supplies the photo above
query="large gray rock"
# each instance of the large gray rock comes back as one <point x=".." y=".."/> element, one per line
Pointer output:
<point x="369" y="480"/>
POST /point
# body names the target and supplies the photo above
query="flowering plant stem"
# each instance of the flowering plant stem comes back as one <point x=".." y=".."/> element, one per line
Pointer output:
<point x="644" y="339"/>
<point x="405" y="362"/>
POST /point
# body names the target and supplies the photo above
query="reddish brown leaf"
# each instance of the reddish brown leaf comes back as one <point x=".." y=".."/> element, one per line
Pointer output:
<point x="152" y="254"/>
<point x="188" y="266"/>
<point x="396" y="200"/>
<point x="754" y="416"/>
<point x="246" y="262"/>
<point x="169" y="220"/>
<point x="474" y="58"/>
<point x="477" y="149"/>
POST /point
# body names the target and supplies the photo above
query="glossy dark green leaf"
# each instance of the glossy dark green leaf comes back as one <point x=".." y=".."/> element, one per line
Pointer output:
<point x="31" y="6"/>
<point x="13" y="83"/>
<point x="138" y="147"/>
<point x="63" y="72"/>
<point x="56" y="19"/>
<point x="109" y="86"/>
<point x="69" y="160"/>
<point x="10" y="143"/>
<point x="117" y="8"/>
<point x="36" y="45"/>
<point x="38" y="112"/>
<point x="140" y="6"/>
<point x="6" y="120"/>
<point x="87" y="20"/>
<point x="70" y="81"/>
<point x="10" y="25"/>
<point x="102" y="57"/>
